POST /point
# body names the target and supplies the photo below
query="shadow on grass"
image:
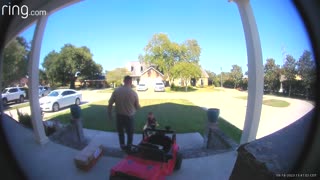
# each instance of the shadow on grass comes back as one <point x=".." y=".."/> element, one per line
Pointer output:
<point x="181" y="118"/>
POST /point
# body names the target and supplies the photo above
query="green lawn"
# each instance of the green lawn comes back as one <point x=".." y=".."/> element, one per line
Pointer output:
<point x="269" y="102"/>
<point x="230" y="130"/>
<point x="181" y="115"/>
<point x="276" y="103"/>
<point x="193" y="89"/>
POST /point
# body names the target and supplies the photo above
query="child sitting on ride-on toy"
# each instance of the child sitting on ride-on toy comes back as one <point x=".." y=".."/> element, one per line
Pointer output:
<point x="151" y="121"/>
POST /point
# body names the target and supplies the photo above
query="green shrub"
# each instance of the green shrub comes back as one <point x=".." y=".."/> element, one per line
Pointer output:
<point x="49" y="130"/>
<point x="24" y="119"/>
<point x="172" y="86"/>
<point x="182" y="88"/>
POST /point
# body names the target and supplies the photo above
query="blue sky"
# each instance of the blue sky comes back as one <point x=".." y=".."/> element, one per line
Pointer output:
<point x="116" y="31"/>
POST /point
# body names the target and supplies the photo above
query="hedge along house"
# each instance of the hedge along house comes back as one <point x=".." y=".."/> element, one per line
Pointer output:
<point x="255" y="68"/>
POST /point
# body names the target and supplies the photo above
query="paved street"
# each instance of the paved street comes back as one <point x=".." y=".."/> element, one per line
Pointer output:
<point x="232" y="109"/>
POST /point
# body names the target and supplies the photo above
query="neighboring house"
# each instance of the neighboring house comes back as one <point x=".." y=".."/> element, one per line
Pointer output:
<point x="99" y="82"/>
<point x="283" y="78"/>
<point x="24" y="82"/>
<point x="140" y="72"/>
<point x="149" y="75"/>
<point x="202" y="81"/>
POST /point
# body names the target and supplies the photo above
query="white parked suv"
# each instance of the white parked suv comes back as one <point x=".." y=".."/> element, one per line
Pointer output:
<point x="159" y="87"/>
<point x="60" y="98"/>
<point x="142" y="87"/>
<point x="13" y="94"/>
<point x="44" y="90"/>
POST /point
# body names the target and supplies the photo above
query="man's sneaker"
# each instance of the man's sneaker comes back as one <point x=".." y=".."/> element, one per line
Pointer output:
<point x="123" y="147"/>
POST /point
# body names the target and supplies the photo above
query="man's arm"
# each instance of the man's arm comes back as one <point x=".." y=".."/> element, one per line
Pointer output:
<point x="136" y="103"/>
<point x="111" y="101"/>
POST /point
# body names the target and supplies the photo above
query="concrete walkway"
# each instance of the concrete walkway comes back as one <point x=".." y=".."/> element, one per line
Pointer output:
<point x="54" y="161"/>
<point x="110" y="139"/>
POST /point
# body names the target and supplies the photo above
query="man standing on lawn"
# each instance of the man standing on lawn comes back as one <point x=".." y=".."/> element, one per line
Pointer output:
<point x="127" y="103"/>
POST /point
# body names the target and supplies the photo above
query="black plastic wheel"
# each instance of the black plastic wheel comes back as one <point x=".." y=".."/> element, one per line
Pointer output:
<point x="178" y="164"/>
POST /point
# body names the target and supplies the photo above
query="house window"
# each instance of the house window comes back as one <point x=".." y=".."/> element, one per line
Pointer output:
<point x="132" y="68"/>
<point x="141" y="68"/>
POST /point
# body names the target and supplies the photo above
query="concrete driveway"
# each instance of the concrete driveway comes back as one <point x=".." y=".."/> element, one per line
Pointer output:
<point x="232" y="109"/>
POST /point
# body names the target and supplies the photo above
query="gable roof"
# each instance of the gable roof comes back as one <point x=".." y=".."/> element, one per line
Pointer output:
<point x="150" y="69"/>
<point x="204" y="74"/>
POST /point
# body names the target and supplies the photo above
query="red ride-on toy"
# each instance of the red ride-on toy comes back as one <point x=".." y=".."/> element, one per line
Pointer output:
<point x="154" y="158"/>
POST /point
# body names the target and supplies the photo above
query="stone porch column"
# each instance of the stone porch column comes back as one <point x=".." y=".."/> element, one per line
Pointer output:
<point x="33" y="69"/>
<point x="255" y="71"/>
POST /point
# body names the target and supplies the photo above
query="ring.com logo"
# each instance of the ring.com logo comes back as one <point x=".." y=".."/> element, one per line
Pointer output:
<point x="22" y="11"/>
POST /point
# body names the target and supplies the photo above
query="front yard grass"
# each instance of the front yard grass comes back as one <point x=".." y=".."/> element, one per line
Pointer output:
<point x="276" y="103"/>
<point x="269" y="102"/>
<point x="193" y="89"/>
<point x="181" y="115"/>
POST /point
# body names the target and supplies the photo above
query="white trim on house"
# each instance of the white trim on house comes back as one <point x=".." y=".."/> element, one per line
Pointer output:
<point x="150" y="69"/>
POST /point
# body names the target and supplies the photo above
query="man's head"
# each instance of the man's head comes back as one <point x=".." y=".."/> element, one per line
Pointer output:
<point x="127" y="80"/>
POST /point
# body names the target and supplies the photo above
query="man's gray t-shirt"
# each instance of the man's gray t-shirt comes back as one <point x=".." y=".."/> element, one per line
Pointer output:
<point x="126" y="101"/>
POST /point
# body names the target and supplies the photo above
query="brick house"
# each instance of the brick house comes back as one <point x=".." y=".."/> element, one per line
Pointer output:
<point x="202" y="81"/>
<point x="140" y="72"/>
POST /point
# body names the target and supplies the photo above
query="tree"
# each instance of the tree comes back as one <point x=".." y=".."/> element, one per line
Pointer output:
<point x="213" y="78"/>
<point x="159" y="52"/>
<point x="224" y="77"/>
<point x="191" y="51"/>
<point x="164" y="54"/>
<point x="307" y="71"/>
<point x="43" y="79"/>
<point x="271" y="75"/>
<point x="186" y="71"/>
<point x="289" y="71"/>
<point x="15" y="60"/>
<point x="116" y="76"/>
<point x="62" y="67"/>
<point x="49" y="64"/>
<point x="236" y="75"/>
